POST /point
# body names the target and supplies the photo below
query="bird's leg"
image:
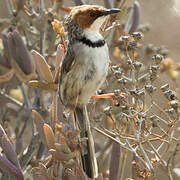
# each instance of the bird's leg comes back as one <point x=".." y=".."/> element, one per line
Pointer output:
<point x="113" y="96"/>
<point x="109" y="95"/>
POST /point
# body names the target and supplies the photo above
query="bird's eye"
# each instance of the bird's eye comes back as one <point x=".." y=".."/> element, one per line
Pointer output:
<point x="92" y="14"/>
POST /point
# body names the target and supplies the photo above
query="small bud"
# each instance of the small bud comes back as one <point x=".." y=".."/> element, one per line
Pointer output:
<point x="122" y="81"/>
<point x="137" y="36"/>
<point x="141" y="93"/>
<point x="171" y="111"/>
<point x="150" y="89"/>
<point x="170" y="95"/>
<point x="137" y="65"/>
<point x="155" y="68"/>
<point x="58" y="27"/>
<point x="129" y="62"/>
<point x="133" y="92"/>
<point x="115" y="68"/>
<point x="118" y="74"/>
<point x="125" y="38"/>
<point x="154" y="72"/>
<point x="157" y="58"/>
<point x="165" y="87"/>
<point x="174" y="104"/>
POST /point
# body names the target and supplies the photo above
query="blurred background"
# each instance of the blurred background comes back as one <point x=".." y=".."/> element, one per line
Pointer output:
<point x="162" y="17"/>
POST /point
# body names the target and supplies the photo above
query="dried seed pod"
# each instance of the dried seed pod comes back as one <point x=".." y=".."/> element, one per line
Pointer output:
<point x="155" y="68"/>
<point x="124" y="38"/>
<point x="171" y="111"/>
<point x="137" y="36"/>
<point x="170" y="95"/>
<point x="150" y="88"/>
<point x="174" y="104"/>
<point x="118" y="74"/>
<point x="157" y="58"/>
<point x="137" y="65"/>
<point x="115" y="68"/>
<point x="164" y="87"/>
<point x="133" y="92"/>
<point x="154" y="73"/>
<point x="141" y="93"/>
<point x="129" y="62"/>
<point x="122" y="81"/>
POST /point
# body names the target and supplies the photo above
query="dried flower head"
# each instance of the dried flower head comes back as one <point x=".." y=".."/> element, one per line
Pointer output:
<point x="58" y="27"/>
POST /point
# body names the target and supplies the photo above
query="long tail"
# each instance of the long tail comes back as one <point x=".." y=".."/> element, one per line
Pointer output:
<point x="88" y="157"/>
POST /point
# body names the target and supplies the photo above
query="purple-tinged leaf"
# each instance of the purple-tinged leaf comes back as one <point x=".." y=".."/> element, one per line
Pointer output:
<point x="9" y="151"/>
<point x="23" y="54"/>
<point x="19" y="145"/>
<point x="7" y="51"/>
<point x="134" y="18"/>
<point x="7" y="166"/>
<point x="20" y="53"/>
<point x="8" y="148"/>
<point x="42" y="67"/>
<point x="39" y="124"/>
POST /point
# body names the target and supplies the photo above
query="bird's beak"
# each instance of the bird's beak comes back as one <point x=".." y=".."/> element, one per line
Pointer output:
<point x="111" y="11"/>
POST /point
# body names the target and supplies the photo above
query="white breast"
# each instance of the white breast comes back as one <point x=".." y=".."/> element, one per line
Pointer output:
<point x="88" y="57"/>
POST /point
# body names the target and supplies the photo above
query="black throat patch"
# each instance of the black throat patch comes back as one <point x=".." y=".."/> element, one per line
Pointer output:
<point x="89" y="43"/>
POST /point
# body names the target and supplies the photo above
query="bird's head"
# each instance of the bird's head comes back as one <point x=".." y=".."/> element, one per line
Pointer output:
<point x="88" y="17"/>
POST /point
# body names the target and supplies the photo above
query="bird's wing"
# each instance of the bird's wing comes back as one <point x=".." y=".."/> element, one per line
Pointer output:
<point x="67" y="62"/>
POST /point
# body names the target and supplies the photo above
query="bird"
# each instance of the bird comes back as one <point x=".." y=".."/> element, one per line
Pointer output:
<point x="85" y="65"/>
